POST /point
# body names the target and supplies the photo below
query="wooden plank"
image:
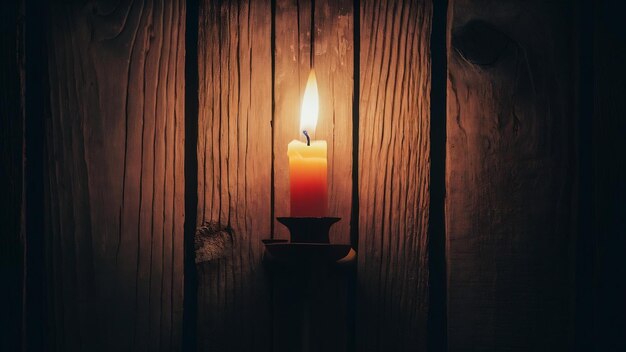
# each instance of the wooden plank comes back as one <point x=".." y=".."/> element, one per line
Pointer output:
<point x="11" y="174"/>
<point x="311" y="304"/>
<point x="608" y="189"/>
<point x="510" y="184"/>
<point x="333" y="63"/>
<point x="393" y="178"/>
<point x="114" y="202"/>
<point x="234" y="172"/>
<point x="292" y="20"/>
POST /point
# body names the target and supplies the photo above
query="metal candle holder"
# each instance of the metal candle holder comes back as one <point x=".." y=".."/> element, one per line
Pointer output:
<point x="308" y="230"/>
<point x="309" y="242"/>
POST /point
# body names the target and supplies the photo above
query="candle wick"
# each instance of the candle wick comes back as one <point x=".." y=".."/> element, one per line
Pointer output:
<point x="308" y="139"/>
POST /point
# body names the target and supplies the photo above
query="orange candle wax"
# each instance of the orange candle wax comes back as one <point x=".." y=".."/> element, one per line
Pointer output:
<point x="308" y="179"/>
<point x="307" y="161"/>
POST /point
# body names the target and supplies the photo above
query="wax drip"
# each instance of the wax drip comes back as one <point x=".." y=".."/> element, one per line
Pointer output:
<point x="308" y="139"/>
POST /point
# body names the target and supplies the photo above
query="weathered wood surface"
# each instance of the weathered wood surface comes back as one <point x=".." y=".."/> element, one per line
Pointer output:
<point x="114" y="181"/>
<point x="333" y="58"/>
<point x="393" y="180"/>
<point x="114" y="202"/>
<point x="609" y="176"/>
<point x="510" y="176"/>
<point x="313" y="317"/>
<point x="11" y="174"/>
<point x="234" y="172"/>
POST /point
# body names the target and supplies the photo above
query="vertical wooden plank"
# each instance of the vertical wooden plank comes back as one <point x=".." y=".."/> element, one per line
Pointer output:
<point x="234" y="172"/>
<point x="310" y="304"/>
<point x="510" y="162"/>
<point x="394" y="167"/>
<point x="608" y="174"/>
<point x="11" y="174"/>
<point x="333" y="63"/>
<point x="292" y="24"/>
<point x="114" y="202"/>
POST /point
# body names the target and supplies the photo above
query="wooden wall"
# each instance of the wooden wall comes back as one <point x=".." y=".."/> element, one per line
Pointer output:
<point x="332" y="56"/>
<point x="113" y="175"/>
<point x="525" y="268"/>
<point x="242" y="163"/>
<point x="393" y="179"/>
<point x="511" y="176"/>
<point x="234" y="171"/>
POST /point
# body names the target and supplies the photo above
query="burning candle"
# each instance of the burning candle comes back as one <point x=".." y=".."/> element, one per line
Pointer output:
<point x="307" y="161"/>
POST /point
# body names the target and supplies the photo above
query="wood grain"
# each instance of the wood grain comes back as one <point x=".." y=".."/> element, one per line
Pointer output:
<point x="393" y="180"/>
<point x="234" y="171"/>
<point x="510" y="176"/>
<point x="11" y="174"/>
<point x="292" y="21"/>
<point x="333" y="52"/>
<point x="114" y="202"/>
<point x="311" y="304"/>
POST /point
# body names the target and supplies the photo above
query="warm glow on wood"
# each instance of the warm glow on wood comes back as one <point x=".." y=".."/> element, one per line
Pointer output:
<point x="310" y="106"/>
<point x="307" y="161"/>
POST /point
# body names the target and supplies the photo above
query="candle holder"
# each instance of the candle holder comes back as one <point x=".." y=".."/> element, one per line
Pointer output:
<point x="308" y="230"/>
<point x="309" y="242"/>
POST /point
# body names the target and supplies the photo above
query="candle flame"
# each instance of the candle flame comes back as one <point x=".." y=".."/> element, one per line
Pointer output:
<point x="310" y="106"/>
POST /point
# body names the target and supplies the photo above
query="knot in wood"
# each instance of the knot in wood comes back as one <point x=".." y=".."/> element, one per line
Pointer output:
<point x="212" y="241"/>
<point x="481" y="43"/>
